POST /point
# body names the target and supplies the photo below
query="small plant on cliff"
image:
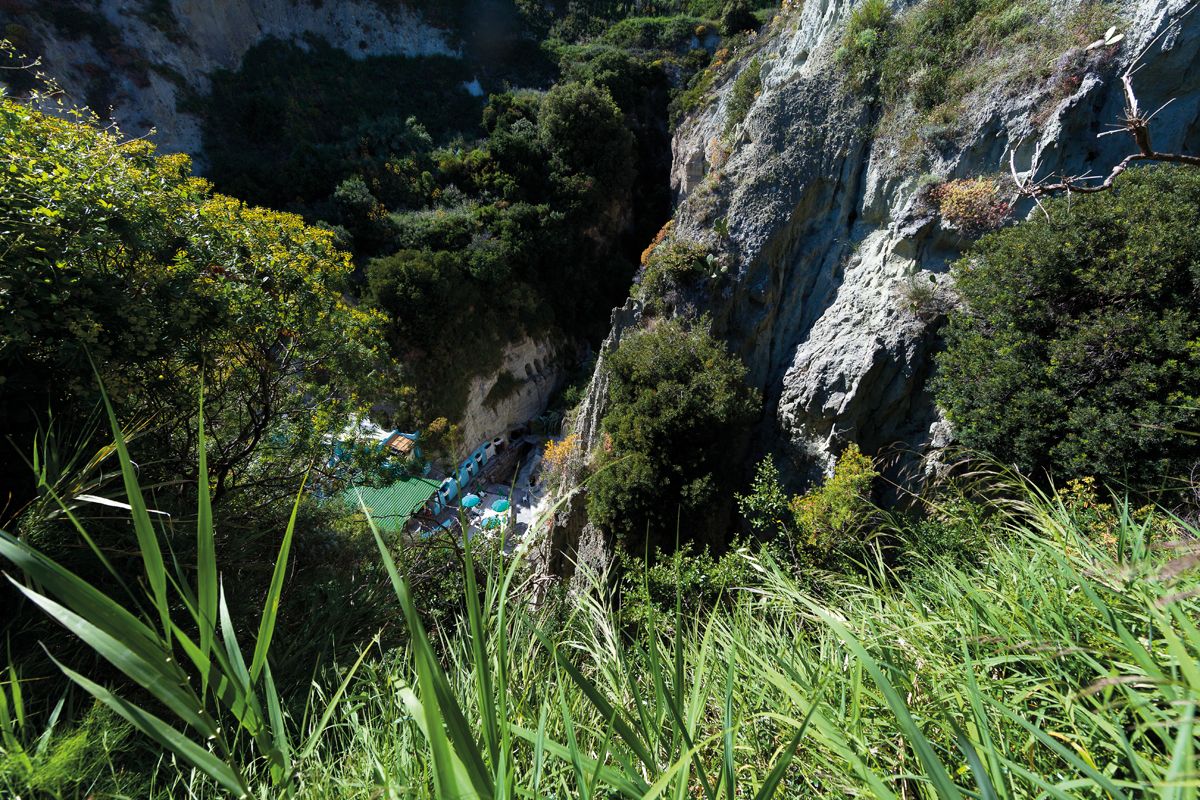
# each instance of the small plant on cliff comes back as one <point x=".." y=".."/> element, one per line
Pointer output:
<point x="670" y="267"/>
<point x="925" y="299"/>
<point x="868" y="36"/>
<point x="765" y="508"/>
<point x="560" y="460"/>
<point x="745" y="89"/>
<point x="972" y="206"/>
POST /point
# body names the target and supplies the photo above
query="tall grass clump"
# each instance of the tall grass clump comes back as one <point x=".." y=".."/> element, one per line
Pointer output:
<point x="1061" y="660"/>
<point x="218" y="705"/>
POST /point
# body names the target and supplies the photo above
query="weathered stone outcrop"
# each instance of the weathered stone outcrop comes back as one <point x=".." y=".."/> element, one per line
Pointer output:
<point x="816" y="201"/>
<point x="519" y="390"/>
<point x="150" y="64"/>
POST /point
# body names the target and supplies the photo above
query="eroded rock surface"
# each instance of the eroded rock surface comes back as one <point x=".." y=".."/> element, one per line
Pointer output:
<point x="815" y="200"/>
<point x="149" y="64"/>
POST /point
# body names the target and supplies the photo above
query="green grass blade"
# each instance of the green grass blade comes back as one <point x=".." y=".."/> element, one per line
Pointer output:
<point x="1065" y="753"/>
<point x="1181" y="777"/>
<point x="266" y="626"/>
<point x="484" y="690"/>
<point x="164" y="734"/>
<point x="206" y="556"/>
<point x="622" y="782"/>
<point x="80" y="596"/>
<point x="435" y="693"/>
<point x="156" y="677"/>
<point x="147" y="537"/>
<point x="601" y="703"/>
<point x="935" y="771"/>
<point x="769" y="786"/>
<point x="987" y="791"/>
<point x="727" y="737"/>
<point x="314" y="738"/>
<point x="539" y="751"/>
<point x="278" y="728"/>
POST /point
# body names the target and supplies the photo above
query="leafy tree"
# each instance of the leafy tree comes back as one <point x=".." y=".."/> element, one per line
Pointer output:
<point x="583" y="130"/>
<point x="118" y="258"/>
<point x="1076" y="351"/>
<point x="678" y="409"/>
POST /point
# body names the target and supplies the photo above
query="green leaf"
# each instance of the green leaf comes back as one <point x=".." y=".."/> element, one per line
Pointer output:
<point x="157" y="677"/>
<point x="266" y="627"/>
<point x="206" y="556"/>
<point x="165" y="735"/>
<point x="147" y="537"/>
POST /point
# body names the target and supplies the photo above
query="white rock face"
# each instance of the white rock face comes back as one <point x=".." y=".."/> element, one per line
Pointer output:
<point x="537" y="367"/>
<point x="826" y="227"/>
<point x="212" y="35"/>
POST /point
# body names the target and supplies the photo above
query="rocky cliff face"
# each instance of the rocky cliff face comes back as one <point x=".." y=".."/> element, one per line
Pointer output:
<point x="147" y="62"/>
<point x="816" y="200"/>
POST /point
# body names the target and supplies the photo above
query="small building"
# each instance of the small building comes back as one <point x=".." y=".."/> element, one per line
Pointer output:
<point x="392" y="506"/>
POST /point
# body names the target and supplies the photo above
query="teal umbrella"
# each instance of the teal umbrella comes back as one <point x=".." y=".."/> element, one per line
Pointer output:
<point x="501" y="505"/>
<point x="470" y="501"/>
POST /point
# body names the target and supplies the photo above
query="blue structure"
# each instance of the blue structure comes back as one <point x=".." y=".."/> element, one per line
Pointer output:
<point x="466" y="472"/>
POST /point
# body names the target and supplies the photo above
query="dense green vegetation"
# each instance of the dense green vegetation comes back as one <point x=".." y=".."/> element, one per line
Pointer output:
<point x="678" y="412"/>
<point x="121" y="269"/>
<point x="1077" y="349"/>
<point x="471" y="234"/>
<point x="292" y="123"/>
<point x="120" y="266"/>
<point x="931" y="57"/>
<point x="538" y="257"/>
<point x="1016" y="674"/>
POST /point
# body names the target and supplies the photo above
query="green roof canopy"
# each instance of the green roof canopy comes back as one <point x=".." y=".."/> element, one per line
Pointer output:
<point x="391" y="506"/>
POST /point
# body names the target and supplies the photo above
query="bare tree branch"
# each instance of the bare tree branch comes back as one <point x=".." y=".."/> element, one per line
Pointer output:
<point x="1135" y="123"/>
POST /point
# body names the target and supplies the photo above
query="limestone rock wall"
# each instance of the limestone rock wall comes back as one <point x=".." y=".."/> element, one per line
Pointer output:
<point x="533" y="371"/>
<point x="826" y="223"/>
<point x="151" y="69"/>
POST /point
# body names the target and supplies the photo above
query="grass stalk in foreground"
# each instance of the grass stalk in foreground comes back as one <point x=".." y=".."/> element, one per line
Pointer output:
<point x="192" y="664"/>
<point x="1067" y="664"/>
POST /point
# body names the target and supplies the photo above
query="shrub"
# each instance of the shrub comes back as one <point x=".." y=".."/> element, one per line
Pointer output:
<point x="671" y="266"/>
<point x="292" y="122"/>
<point x="924" y="298"/>
<point x="765" y="509"/>
<point x="652" y="33"/>
<point x="117" y="257"/>
<point x="583" y="130"/>
<point x="825" y="525"/>
<point x="1076" y="351"/>
<point x="868" y="35"/>
<point x="697" y="578"/>
<point x="560" y="461"/>
<point x="943" y="49"/>
<point x="827" y="522"/>
<point x="738" y="16"/>
<point x="678" y="408"/>
<point x="971" y="205"/>
<point x="742" y="95"/>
